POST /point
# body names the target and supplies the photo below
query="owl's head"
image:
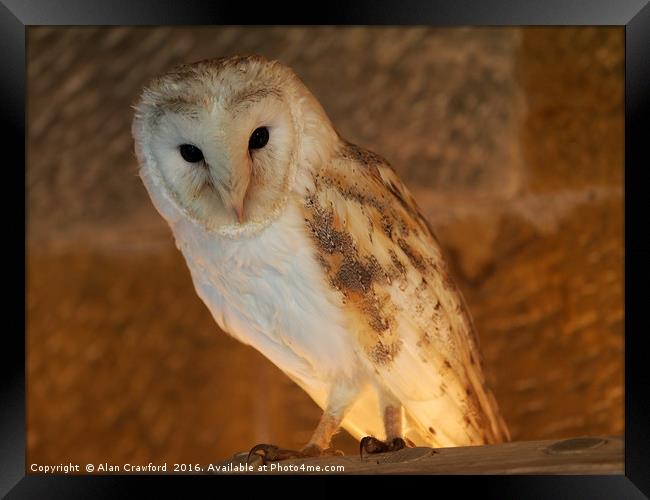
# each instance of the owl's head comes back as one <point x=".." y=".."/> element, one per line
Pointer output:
<point x="223" y="138"/>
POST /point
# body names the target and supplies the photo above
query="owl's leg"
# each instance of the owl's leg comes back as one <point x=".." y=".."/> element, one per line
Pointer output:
<point x="319" y="444"/>
<point x="340" y="400"/>
<point x="394" y="434"/>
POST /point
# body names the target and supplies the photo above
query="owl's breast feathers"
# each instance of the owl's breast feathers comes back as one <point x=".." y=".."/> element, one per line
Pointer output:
<point x="410" y="321"/>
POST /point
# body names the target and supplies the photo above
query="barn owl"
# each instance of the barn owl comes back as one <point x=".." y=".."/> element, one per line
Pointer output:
<point x="311" y="250"/>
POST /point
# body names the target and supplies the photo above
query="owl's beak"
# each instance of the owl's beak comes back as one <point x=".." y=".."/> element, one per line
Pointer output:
<point x="238" y="208"/>
<point x="237" y="189"/>
<point x="233" y="200"/>
<point x="238" y="193"/>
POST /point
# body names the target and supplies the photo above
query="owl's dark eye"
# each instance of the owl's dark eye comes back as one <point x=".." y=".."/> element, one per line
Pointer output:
<point x="191" y="153"/>
<point x="259" y="138"/>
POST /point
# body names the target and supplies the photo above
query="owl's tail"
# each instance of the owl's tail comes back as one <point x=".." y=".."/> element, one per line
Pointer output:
<point x="436" y="423"/>
<point x="442" y="423"/>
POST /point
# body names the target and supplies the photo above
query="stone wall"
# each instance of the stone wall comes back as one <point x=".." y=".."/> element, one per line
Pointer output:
<point x="510" y="139"/>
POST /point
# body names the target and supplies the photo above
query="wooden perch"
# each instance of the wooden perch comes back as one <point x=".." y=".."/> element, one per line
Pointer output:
<point x="571" y="456"/>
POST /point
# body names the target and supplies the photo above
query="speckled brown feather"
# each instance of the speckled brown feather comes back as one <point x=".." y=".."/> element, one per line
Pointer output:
<point x="382" y="257"/>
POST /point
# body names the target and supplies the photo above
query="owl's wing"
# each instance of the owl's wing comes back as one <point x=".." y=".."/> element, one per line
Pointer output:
<point x="410" y="320"/>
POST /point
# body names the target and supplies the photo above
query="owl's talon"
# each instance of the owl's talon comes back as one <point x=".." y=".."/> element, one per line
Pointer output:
<point x="397" y="444"/>
<point x="272" y="453"/>
<point x="259" y="447"/>
<point x="372" y="445"/>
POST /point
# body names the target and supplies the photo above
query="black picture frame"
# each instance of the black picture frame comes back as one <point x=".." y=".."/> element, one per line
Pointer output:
<point x="633" y="15"/>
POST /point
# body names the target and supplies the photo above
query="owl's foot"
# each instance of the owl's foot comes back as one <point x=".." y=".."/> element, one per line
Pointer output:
<point x="372" y="445"/>
<point x="272" y="453"/>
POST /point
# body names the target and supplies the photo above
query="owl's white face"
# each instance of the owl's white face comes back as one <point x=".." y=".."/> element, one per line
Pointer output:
<point x="224" y="137"/>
